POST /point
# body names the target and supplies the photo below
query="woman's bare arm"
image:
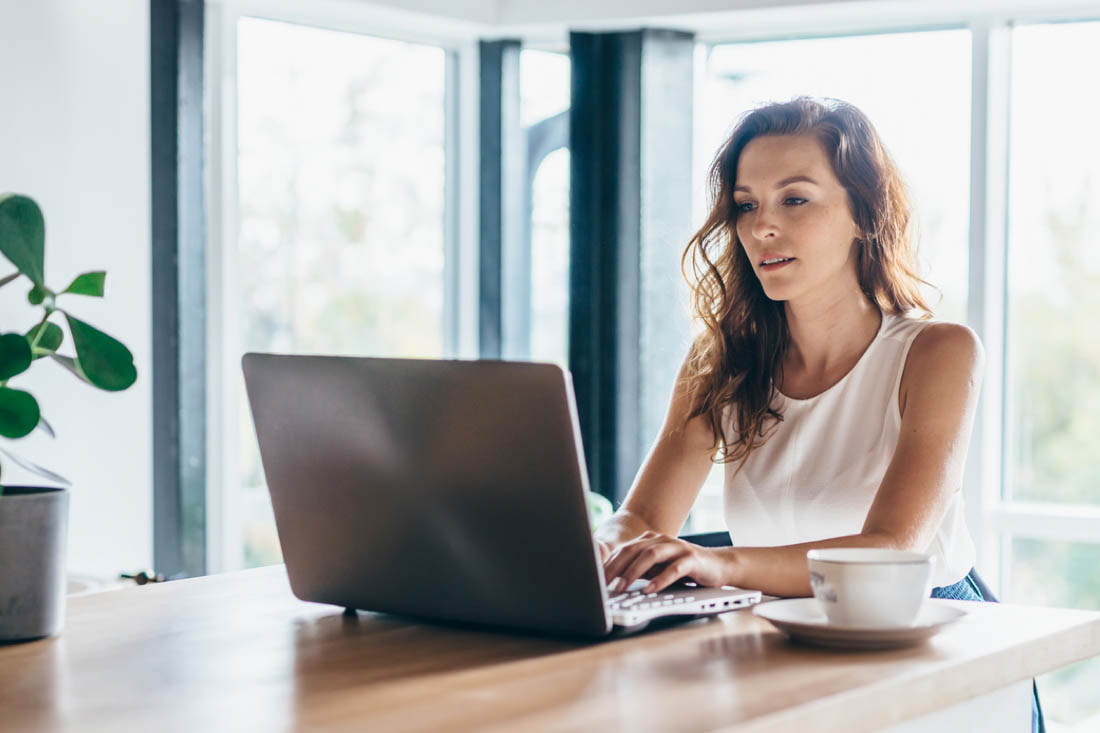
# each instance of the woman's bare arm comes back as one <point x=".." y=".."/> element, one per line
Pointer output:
<point x="669" y="479"/>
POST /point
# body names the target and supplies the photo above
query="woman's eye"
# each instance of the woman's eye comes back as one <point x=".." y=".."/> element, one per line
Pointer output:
<point x="747" y="206"/>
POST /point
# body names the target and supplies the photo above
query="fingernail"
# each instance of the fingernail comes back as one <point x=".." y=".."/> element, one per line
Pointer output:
<point x="649" y="588"/>
<point x="614" y="584"/>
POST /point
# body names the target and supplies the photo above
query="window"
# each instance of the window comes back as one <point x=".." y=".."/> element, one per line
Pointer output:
<point x="550" y="260"/>
<point x="544" y="78"/>
<point x="340" y="241"/>
<point x="544" y="95"/>
<point x="1053" y="355"/>
<point x="890" y="77"/>
<point x="1052" y="359"/>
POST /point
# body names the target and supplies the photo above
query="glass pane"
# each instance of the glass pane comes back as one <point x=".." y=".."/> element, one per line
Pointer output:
<point x="544" y="79"/>
<point x="1053" y="353"/>
<point x="1064" y="574"/>
<point x="550" y="260"/>
<point x="544" y="93"/>
<point x="890" y="77"/>
<point x="340" y="250"/>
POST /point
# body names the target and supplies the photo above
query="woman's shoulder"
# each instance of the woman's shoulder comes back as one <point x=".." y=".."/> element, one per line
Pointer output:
<point x="944" y="366"/>
<point x="929" y="331"/>
<point x="937" y="335"/>
<point x="941" y="347"/>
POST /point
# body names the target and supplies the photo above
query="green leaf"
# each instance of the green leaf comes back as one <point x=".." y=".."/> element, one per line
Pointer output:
<point x="15" y="357"/>
<point x="35" y="468"/>
<point x="49" y="337"/>
<point x="104" y="361"/>
<point x="23" y="235"/>
<point x="37" y="294"/>
<point x="19" y="412"/>
<point x="90" y="283"/>
<point x="71" y="364"/>
<point x="8" y="278"/>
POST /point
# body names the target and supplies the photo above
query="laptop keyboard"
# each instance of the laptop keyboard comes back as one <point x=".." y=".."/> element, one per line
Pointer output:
<point x="637" y="600"/>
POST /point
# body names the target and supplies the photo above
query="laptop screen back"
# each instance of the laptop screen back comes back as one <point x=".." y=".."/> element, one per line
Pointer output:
<point x="444" y="489"/>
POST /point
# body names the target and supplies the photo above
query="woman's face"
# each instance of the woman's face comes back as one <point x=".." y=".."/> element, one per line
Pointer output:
<point x="791" y="205"/>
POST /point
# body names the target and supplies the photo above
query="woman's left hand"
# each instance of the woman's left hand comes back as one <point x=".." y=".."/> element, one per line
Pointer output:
<point x="665" y="560"/>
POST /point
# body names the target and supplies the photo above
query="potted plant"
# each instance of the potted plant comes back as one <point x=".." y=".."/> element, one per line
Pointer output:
<point x="33" y="519"/>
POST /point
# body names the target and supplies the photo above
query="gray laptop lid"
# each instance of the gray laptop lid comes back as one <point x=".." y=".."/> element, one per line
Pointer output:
<point x="452" y="490"/>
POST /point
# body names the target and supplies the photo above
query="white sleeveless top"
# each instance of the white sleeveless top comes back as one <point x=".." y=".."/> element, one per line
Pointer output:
<point x="818" y="473"/>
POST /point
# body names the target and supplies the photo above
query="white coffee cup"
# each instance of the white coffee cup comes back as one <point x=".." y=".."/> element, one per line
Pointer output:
<point x="868" y="587"/>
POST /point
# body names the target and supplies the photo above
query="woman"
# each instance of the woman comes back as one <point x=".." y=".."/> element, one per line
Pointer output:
<point x="841" y="411"/>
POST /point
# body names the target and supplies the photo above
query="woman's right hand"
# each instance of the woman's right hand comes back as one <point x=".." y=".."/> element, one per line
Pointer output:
<point x="605" y="550"/>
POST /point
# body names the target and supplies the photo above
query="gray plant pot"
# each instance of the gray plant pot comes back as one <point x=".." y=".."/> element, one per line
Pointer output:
<point x="33" y="532"/>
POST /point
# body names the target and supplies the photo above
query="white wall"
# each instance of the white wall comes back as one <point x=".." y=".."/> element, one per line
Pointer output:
<point x="74" y="135"/>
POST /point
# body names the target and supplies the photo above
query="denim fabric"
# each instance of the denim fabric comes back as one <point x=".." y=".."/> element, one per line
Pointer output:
<point x="967" y="590"/>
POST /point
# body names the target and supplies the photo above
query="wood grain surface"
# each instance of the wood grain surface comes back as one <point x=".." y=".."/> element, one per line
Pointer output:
<point x="239" y="652"/>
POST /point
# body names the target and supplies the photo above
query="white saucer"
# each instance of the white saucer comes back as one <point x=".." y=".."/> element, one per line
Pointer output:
<point x="803" y="620"/>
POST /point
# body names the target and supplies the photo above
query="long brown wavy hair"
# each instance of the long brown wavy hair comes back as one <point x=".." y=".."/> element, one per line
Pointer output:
<point x="734" y="361"/>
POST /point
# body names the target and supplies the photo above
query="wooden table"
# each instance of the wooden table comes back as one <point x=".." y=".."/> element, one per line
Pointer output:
<point x="239" y="652"/>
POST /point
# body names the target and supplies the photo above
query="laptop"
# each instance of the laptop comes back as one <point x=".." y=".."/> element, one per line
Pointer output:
<point x="446" y="490"/>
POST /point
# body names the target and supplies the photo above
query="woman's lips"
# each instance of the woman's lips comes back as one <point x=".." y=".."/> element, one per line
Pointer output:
<point x="776" y="266"/>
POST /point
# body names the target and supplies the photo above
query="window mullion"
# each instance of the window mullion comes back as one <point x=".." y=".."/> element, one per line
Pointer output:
<point x="984" y="476"/>
<point x="1062" y="523"/>
<point x="466" y="135"/>
<point x="451" y="241"/>
<point x="179" y="287"/>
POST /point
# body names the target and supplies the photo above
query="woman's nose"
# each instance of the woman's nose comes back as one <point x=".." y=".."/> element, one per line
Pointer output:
<point x="763" y="224"/>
